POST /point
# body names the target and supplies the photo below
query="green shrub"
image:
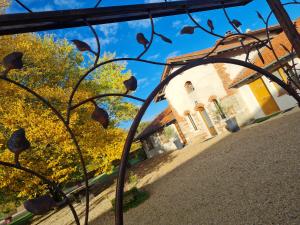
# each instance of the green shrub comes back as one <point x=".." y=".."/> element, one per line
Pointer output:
<point x="132" y="198"/>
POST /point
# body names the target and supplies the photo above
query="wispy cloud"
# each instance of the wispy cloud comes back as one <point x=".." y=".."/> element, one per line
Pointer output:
<point x="173" y="54"/>
<point x="68" y="3"/>
<point x="153" y="57"/>
<point x="135" y="24"/>
<point x="143" y="82"/>
<point x="109" y="32"/>
<point x="47" y="7"/>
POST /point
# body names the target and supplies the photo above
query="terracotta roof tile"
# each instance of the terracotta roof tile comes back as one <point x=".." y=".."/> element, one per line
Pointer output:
<point x="267" y="54"/>
<point x="161" y="120"/>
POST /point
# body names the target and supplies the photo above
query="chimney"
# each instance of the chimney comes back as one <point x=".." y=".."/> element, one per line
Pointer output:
<point x="229" y="32"/>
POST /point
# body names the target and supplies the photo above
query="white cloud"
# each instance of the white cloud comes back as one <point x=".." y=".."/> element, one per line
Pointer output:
<point x="153" y="57"/>
<point x="173" y="54"/>
<point x="70" y="3"/>
<point x="108" y="29"/>
<point x="109" y="32"/>
<point x="176" y="23"/>
<point x="43" y="8"/>
<point x="139" y="23"/>
<point x="143" y="82"/>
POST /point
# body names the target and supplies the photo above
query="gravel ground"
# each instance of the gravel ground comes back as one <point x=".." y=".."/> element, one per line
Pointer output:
<point x="251" y="177"/>
<point x="247" y="178"/>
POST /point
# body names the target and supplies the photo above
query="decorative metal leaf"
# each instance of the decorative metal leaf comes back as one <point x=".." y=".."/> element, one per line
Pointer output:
<point x="131" y="84"/>
<point x="210" y="25"/>
<point x="259" y="15"/>
<point x="101" y="116"/>
<point x="40" y="205"/>
<point x="260" y="56"/>
<point x="236" y="23"/>
<point x="18" y="141"/>
<point x="81" y="46"/>
<point x="165" y="39"/>
<point x="142" y="40"/>
<point x="13" y="61"/>
<point x="285" y="48"/>
<point x="187" y="30"/>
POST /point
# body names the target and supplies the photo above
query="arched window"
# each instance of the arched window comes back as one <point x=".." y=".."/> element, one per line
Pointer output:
<point x="189" y="87"/>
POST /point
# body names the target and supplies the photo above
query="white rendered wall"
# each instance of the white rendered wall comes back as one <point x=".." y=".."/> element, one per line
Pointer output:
<point x="254" y="108"/>
<point x="234" y="70"/>
<point x="206" y="82"/>
<point x="284" y="101"/>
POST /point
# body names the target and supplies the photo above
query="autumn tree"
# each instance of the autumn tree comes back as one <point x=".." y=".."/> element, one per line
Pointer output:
<point x="3" y="5"/>
<point x="51" y="69"/>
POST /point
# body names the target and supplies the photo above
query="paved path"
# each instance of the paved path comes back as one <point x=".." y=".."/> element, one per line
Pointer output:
<point x="248" y="178"/>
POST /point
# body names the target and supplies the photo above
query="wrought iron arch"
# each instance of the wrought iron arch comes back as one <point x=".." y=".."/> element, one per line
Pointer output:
<point x="41" y="21"/>
<point x="150" y="98"/>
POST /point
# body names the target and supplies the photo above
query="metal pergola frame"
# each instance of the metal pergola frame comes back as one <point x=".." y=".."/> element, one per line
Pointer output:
<point x="41" y="21"/>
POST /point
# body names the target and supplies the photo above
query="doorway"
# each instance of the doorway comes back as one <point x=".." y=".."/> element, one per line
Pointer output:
<point x="264" y="97"/>
<point x="207" y="121"/>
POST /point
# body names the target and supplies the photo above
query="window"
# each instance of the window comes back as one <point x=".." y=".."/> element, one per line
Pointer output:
<point x="219" y="108"/>
<point x="189" y="87"/>
<point x="192" y="121"/>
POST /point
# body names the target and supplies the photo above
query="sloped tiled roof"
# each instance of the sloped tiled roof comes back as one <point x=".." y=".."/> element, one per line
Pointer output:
<point x="230" y="44"/>
<point x="164" y="118"/>
<point x="268" y="56"/>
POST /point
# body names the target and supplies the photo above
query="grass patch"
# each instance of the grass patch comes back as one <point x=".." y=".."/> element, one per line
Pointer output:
<point x="132" y="198"/>
<point x="262" y="119"/>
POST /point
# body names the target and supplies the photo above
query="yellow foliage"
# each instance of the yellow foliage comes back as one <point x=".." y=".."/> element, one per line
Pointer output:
<point x="51" y="69"/>
<point x="3" y="5"/>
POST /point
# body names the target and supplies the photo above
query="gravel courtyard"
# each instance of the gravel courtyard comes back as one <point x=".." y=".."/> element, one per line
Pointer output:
<point x="248" y="178"/>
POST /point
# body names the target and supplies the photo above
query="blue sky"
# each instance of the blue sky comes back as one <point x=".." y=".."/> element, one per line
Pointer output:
<point x="121" y="38"/>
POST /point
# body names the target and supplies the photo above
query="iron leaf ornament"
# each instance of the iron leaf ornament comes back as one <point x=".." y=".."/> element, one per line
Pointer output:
<point x="83" y="46"/>
<point x="101" y="116"/>
<point x="12" y="61"/>
<point x="285" y="48"/>
<point x="18" y="143"/>
<point x="142" y="39"/>
<point x="187" y="30"/>
<point x="40" y="205"/>
<point x="164" y="38"/>
<point x="130" y="84"/>
<point x="260" y="55"/>
<point x="259" y="15"/>
<point x="210" y="24"/>
<point x="236" y="23"/>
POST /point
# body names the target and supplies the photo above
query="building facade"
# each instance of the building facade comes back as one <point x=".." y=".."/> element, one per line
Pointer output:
<point x="162" y="135"/>
<point x="203" y="98"/>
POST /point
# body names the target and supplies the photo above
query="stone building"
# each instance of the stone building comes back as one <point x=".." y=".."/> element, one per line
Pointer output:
<point x="163" y="134"/>
<point x="204" y="97"/>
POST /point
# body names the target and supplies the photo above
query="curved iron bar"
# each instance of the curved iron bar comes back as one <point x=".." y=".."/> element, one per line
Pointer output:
<point x="201" y="61"/>
<point x="292" y="51"/>
<point x="266" y="21"/>
<point x="151" y="38"/>
<point x="150" y="98"/>
<point x="106" y="95"/>
<point x="23" y="6"/>
<point x="221" y="36"/>
<point x="98" y="3"/>
<point x="47" y="181"/>
<point x="73" y="137"/>
<point x="97" y="54"/>
<point x="102" y="64"/>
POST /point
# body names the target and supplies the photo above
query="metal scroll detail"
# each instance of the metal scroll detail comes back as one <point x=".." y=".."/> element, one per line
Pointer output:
<point x="13" y="61"/>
